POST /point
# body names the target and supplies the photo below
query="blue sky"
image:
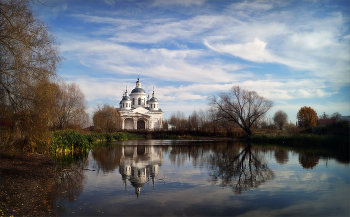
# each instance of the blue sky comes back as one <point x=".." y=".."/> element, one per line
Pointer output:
<point x="295" y="53"/>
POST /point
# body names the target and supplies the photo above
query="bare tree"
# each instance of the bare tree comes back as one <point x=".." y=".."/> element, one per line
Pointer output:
<point x="240" y="106"/>
<point x="201" y="118"/>
<point x="178" y="120"/>
<point x="213" y="119"/>
<point x="280" y="119"/>
<point x="107" y="118"/>
<point x="336" y="116"/>
<point x="70" y="106"/>
<point x="194" y="120"/>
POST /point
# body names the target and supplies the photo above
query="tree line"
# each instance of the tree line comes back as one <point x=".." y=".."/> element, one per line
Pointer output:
<point x="241" y="109"/>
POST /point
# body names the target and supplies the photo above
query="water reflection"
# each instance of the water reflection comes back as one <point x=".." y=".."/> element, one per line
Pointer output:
<point x="240" y="169"/>
<point x="234" y="164"/>
<point x="308" y="161"/>
<point x="70" y="179"/>
<point x="281" y="156"/>
<point x="108" y="179"/>
<point x="140" y="164"/>
<point x="106" y="159"/>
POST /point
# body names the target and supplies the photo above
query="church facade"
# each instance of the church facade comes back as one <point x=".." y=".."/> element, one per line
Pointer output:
<point x="138" y="111"/>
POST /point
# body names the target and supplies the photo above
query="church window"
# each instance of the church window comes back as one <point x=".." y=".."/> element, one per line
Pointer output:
<point x="139" y="101"/>
<point x="123" y="105"/>
<point x="133" y="101"/>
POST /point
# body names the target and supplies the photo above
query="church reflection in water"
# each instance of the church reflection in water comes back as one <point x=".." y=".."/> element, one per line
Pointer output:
<point x="140" y="164"/>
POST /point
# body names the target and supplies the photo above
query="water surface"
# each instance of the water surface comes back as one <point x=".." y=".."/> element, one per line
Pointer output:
<point x="203" y="178"/>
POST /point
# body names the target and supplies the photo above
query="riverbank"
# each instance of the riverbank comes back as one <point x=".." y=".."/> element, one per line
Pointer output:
<point x="26" y="180"/>
<point x="301" y="139"/>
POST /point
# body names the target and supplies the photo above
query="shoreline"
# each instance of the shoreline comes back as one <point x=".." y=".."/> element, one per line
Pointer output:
<point x="26" y="181"/>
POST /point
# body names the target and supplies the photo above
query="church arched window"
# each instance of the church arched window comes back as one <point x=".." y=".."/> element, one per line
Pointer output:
<point x="133" y="101"/>
<point x="139" y="101"/>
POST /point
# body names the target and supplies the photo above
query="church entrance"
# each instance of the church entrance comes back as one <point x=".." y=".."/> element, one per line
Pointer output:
<point x="141" y="125"/>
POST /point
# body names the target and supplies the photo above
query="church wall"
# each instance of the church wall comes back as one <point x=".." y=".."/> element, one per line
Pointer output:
<point x="136" y="97"/>
<point x="156" y="121"/>
<point x="128" y="124"/>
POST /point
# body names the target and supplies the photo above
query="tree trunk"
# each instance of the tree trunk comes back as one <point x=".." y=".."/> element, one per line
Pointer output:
<point x="249" y="132"/>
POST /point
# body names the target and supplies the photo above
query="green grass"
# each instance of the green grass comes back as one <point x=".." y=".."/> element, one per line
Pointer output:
<point x="71" y="140"/>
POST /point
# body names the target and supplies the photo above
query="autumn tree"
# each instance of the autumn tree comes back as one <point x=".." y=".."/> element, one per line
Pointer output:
<point x="29" y="53"/>
<point x="107" y="118"/>
<point x="280" y="119"/>
<point x="240" y="106"/>
<point x="29" y="60"/>
<point x="307" y="116"/>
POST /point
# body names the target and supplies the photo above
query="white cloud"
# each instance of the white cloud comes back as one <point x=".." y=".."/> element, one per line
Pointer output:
<point x="178" y="2"/>
<point x="109" y="2"/>
<point x="253" y="51"/>
<point x="252" y="6"/>
<point x="171" y="65"/>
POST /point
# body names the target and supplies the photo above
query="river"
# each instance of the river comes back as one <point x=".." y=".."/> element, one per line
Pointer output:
<point x="202" y="178"/>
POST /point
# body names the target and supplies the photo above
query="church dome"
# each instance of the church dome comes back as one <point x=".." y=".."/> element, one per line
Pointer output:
<point x="153" y="99"/>
<point x="126" y="98"/>
<point x="138" y="90"/>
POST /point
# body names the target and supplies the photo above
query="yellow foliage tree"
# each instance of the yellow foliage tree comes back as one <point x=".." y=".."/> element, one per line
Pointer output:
<point x="107" y="119"/>
<point x="308" y="116"/>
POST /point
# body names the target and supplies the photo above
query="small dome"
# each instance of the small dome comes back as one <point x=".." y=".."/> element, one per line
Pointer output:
<point x="153" y="99"/>
<point x="138" y="90"/>
<point x="126" y="98"/>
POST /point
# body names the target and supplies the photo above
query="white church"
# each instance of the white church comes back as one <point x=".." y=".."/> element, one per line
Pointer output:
<point x="138" y="111"/>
